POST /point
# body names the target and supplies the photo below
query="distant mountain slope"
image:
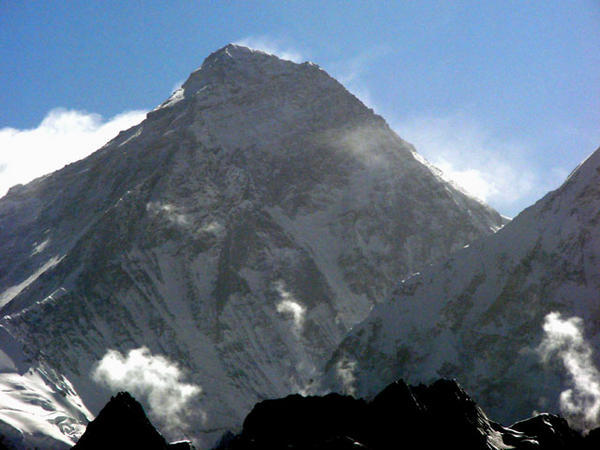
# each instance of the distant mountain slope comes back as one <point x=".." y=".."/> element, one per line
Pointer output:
<point x="479" y="315"/>
<point x="239" y="230"/>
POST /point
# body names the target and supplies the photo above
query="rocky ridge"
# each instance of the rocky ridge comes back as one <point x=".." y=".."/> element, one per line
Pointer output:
<point x="123" y="424"/>
<point x="441" y="415"/>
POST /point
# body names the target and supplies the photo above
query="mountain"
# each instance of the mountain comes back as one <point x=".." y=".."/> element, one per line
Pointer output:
<point x="499" y="315"/>
<point x="441" y="415"/>
<point x="239" y="231"/>
<point x="38" y="406"/>
<point x="433" y="417"/>
<point x="122" y="424"/>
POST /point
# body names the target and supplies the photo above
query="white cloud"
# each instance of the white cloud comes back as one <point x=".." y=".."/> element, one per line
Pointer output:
<point x="564" y="339"/>
<point x="153" y="379"/>
<point x="353" y="71"/>
<point x="345" y="369"/>
<point x="272" y="46"/>
<point x="289" y="306"/>
<point x="64" y="136"/>
<point x="487" y="166"/>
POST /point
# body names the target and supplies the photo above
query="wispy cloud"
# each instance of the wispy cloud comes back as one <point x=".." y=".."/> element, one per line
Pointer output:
<point x="272" y="46"/>
<point x="64" y="136"/>
<point x="489" y="167"/>
<point x="290" y="306"/>
<point x="345" y="371"/>
<point x="177" y="85"/>
<point x="352" y="73"/>
<point x="153" y="379"/>
<point x="564" y="339"/>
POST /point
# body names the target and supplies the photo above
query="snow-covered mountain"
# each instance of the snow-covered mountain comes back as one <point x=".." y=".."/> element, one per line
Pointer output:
<point x="240" y="230"/>
<point x="480" y="315"/>
<point x="38" y="406"/>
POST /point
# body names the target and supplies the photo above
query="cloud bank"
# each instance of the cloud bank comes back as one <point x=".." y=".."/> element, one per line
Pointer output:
<point x="563" y="339"/>
<point x="487" y="166"/>
<point x="151" y="378"/>
<point x="63" y="137"/>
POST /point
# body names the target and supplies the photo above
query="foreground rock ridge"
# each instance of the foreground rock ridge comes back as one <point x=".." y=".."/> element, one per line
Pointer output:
<point x="479" y="316"/>
<point x="240" y="230"/>
<point x="441" y="415"/>
<point x="122" y="424"/>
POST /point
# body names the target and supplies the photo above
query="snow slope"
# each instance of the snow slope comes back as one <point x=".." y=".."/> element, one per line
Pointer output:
<point x="478" y="316"/>
<point x="38" y="407"/>
<point x="240" y="231"/>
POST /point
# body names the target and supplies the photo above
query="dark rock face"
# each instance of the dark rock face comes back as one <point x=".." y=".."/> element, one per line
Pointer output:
<point x="305" y="420"/>
<point x="438" y="416"/>
<point x="122" y="424"/>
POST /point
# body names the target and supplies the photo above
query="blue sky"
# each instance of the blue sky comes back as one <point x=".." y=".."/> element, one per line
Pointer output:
<point x="504" y="96"/>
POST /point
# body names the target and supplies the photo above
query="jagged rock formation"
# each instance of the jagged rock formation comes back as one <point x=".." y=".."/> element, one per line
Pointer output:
<point x="478" y="316"/>
<point x="239" y="230"/>
<point x="438" y="416"/>
<point x="122" y="425"/>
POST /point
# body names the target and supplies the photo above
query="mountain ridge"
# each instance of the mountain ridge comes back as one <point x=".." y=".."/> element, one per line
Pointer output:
<point x="431" y="416"/>
<point x="481" y="313"/>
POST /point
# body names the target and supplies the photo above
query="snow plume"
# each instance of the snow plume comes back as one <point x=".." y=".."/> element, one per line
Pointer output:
<point x="63" y="137"/>
<point x="153" y="379"/>
<point x="367" y="144"/>
<point x="564" y="339"/>
<point x="481" y="161"/>
<point x="289" y="306"/>
<point x="272" y="46"/>
<point x="354" y="73"/>
<point x="344" y="370"/>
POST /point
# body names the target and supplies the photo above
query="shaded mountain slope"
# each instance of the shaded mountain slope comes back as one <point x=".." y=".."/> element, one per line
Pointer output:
<point x="479" y="315"/>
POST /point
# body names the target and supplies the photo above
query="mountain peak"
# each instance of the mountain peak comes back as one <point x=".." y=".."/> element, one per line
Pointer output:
<point x="236" y="51"/>
<point x="240" y="52"/>
<point x="122" y="423"/>
<point x="238" y="65"/>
